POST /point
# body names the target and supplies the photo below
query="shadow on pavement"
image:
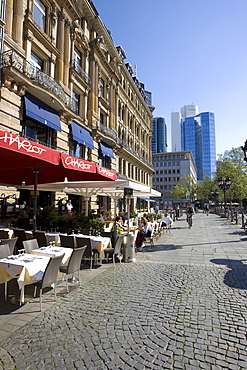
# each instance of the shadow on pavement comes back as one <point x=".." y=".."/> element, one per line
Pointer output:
<point x="162" y="247"/>
<point x="236" y="277"/>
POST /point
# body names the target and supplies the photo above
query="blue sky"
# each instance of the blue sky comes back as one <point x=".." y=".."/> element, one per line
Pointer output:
<point x="187" y="52"/>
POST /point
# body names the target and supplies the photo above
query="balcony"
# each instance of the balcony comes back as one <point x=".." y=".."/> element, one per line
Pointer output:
<point x="113" y="135"/>
<point x="12" y="59"/>
<point x="78" y="69"/>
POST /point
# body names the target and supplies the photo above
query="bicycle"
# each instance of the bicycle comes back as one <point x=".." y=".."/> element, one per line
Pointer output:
<point x="189" y="220"/>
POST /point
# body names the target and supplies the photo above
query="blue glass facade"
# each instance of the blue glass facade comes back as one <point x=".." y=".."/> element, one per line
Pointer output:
<point x="198" y="136"/>
<point x="159" y="135"/>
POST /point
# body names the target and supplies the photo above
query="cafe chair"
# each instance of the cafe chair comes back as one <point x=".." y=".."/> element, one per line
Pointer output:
<point x="30" y="245"/>
<point x="116" y="251"/>
<point x="73" y="265"/>
<point x="150" y="239"/>
<point x="87" y="231"/>
<point x="4" y="234"/>
<point x="5" y="252"/>
<point x="11" y="243"/>
<point x="21" y="234"/>
<point x="106" y="234"/>
<point x="49" y="277"/>
<point x="67" y="241"/>
<point x="41" y="238"/>
<point x="88" y="254"/>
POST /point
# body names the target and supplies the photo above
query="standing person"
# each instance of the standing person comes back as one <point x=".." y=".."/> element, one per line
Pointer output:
<point x="177" y="211"/>
<point x="189" y="213"/>
<point x="69" y="207"/>
<point x="207" y="209"/>
<point x="23" y="206"/>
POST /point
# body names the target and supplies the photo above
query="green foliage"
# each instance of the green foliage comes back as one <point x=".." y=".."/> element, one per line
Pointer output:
<point x="133" y="214"/>
<point x="185" y="185"/>
<point x="47" y="219"/>
<point x="231" y="164"/>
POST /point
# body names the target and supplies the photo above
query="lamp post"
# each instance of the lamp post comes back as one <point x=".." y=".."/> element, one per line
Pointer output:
<point x="224" y="184"/>
<point x="244" y="149"/>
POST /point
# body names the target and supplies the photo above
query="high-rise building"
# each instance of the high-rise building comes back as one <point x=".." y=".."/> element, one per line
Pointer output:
<point x="159" y="135"/>
<point x="186" y="111"/>
<point x="198" y="136"/>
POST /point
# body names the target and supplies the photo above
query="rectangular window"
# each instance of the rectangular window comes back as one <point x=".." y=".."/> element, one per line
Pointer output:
<point x="39" y="14"/>
<point x="36" y="63"/>
<point x="77" y="60"/>
<point x="38" y="132"/>
<point x="76" y="149"/>
<point x="102" y="88"/>
<point x="75" y="102"/>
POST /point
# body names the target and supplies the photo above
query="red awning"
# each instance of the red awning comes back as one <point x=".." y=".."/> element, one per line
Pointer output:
<point x="19" y="157"/>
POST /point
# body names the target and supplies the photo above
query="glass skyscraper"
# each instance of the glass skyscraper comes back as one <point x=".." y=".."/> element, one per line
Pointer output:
<point x="159" y="135"/>
<point x="198" y="136"/>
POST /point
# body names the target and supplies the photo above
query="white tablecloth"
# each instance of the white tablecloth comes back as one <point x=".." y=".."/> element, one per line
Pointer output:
<point x="30" y="268"/>
<point x="54" y="251"/>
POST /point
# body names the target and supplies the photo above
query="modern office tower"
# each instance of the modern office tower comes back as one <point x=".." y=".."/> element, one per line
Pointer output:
<point x="198" y="136"/>
<point x="185" y="111"/>
<point x="189" y="110"/>
<point x="159" y="135"/>
<point x="176" y="131"/>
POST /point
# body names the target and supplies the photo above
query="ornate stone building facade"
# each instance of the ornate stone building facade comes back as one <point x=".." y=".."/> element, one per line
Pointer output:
<point x="59" y="57"/>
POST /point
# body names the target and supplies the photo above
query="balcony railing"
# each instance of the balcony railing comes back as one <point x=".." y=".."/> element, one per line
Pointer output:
<point x="78" y="69"/>
<point x="112" y="134"/>
<point x="12" y="59"/>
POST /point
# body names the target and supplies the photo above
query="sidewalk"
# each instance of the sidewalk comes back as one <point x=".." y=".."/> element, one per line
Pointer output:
<point x="182" y="305"/>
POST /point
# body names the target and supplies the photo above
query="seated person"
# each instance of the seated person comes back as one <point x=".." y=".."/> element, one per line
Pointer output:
<point x="120" y="225"/>
<point x="145" y="231"/>
<point x="166" y="221"/>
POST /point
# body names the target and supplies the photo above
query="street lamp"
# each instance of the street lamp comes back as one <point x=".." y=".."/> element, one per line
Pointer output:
<point x="224" y="184"/>
<point x="244" y="149"/>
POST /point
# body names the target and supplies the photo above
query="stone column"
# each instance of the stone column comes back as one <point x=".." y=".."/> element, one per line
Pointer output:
<point x="9" y="17"/>
<point x="66" y="53"/>
<point x="28" y="38"/>
<point x="18" y="22"/>
<point x="60" y="46"/>
<point x="52" y="65"/>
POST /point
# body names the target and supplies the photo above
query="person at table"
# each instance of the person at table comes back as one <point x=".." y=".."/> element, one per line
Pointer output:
<point x="120" y="225"/>
<point x="166" y="221"/>
<point x="145" y="231"/>
<point x="69" y="207"/>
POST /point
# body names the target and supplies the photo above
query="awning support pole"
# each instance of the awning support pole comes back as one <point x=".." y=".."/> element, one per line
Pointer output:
<point x="35" y="171"/>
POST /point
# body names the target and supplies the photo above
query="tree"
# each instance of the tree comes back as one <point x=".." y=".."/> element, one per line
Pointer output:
<point x="185" y="185"/>
<point x="232" y="164"/>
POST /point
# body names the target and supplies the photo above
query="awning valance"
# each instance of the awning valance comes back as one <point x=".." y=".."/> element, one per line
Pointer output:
<point x="147" y="199"/>
<point x="36" y="109"/>
<point x="106" y="149"/>
<point x="81" y="135"/>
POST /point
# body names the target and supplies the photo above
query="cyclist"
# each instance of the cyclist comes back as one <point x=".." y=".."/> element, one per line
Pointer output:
<point x="189" y="213"/>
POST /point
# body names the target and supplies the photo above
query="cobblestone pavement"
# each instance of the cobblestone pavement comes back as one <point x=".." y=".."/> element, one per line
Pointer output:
<point x="147" y="315"/>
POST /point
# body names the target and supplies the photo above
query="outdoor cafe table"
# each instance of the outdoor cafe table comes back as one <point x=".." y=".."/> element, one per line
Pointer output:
<point x="99" y="243"/>
<point x="53" y="251"/>
<point x="27" y="268"/>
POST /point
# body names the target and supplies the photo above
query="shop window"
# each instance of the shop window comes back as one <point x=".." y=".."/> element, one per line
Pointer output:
<point x="39" y="14"/>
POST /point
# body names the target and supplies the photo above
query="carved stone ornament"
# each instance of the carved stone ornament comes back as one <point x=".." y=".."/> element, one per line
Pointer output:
<point x="22" y="90"/>
<point x="8" y="81"/>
